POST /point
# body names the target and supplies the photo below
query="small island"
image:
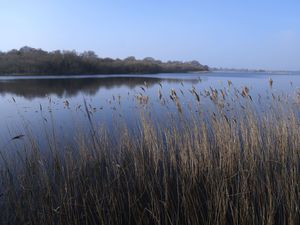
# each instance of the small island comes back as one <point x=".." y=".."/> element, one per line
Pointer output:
<point x="31" y="61"/>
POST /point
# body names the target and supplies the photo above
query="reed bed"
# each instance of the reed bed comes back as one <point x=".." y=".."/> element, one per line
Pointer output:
<point x="231" y="164"/>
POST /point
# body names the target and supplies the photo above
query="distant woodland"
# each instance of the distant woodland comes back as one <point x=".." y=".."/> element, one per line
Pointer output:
<point x="31" y="61"/>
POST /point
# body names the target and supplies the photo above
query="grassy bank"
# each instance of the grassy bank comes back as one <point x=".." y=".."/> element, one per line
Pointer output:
<point x="236" y="166"/>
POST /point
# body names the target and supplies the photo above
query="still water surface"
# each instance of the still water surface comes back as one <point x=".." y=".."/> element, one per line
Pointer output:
<point x="38" y="105"/>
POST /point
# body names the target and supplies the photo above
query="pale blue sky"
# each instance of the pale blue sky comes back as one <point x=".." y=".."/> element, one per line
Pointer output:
<point x="232" y="33"/>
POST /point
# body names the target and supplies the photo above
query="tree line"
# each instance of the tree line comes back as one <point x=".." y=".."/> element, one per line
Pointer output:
<point x="31" y="61"/>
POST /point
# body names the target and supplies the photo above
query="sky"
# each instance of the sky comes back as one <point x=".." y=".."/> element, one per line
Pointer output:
<point x="256" y="34"/>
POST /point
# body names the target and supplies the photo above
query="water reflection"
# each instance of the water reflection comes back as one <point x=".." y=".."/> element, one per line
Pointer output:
<point x="72" y="86"/>
<point x="37" y="105"/>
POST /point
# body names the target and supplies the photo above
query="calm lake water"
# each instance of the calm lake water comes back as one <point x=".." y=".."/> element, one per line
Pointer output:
<point x="36" y="106"/>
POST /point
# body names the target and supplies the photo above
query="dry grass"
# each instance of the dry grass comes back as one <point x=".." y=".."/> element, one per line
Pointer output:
<point x="236" y="166"/>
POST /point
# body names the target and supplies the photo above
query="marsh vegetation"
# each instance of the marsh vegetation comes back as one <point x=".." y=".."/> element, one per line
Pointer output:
<point x="224" y="156"/>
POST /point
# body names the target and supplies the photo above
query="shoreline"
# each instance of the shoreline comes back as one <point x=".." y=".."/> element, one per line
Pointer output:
<point x="50" y="76"/>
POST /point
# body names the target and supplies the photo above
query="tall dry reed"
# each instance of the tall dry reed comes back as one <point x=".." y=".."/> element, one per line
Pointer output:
<point x="228" y="165"/>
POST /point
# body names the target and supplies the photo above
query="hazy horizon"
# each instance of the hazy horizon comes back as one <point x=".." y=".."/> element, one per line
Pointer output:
<point x="231" y="34"/>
